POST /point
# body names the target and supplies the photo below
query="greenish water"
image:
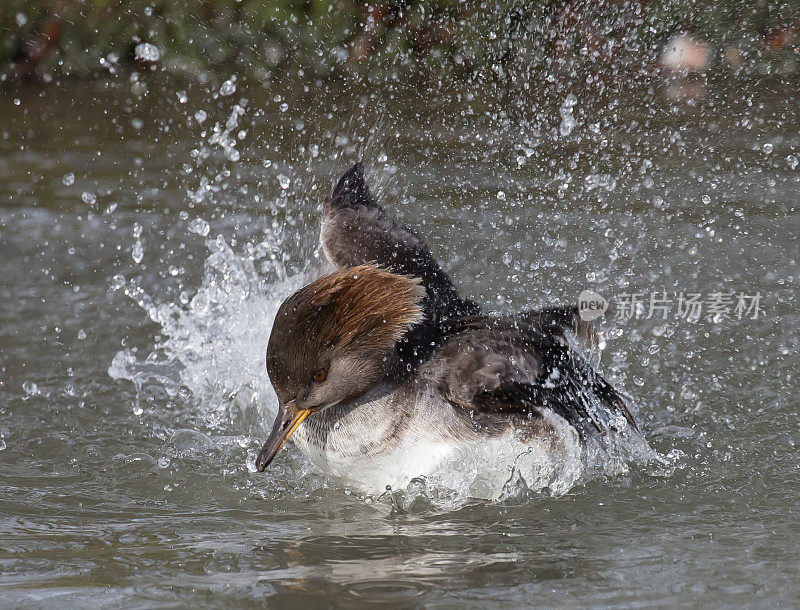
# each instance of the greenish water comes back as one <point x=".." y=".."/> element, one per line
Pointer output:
<point x="134" y="486"/>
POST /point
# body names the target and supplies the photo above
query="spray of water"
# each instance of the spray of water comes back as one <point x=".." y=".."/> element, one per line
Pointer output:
<point x="209" y="351"/>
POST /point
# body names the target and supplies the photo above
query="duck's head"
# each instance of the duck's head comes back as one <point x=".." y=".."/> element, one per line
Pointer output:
<point x="333" y="340"/>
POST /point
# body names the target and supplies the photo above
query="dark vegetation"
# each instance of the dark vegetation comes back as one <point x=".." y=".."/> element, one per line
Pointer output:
<point x="432" y="41"/>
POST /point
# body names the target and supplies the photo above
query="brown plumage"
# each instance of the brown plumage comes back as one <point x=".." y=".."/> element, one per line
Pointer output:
<point x="364" y="304"/>
<point x="361" y="305"/>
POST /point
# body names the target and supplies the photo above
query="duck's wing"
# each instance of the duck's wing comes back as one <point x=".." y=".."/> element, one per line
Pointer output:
<point x="356" y="230"/>
<point x="561" y="319"/>
<point x="515" y="366"/>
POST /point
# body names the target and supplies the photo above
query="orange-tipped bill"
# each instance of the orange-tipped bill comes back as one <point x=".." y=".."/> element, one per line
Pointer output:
<point x="287" y="421"/>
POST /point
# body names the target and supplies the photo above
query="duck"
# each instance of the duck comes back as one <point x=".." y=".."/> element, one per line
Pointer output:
<point x="384" y="373"/>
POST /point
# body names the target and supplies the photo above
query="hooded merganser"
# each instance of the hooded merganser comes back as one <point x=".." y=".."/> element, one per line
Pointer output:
<point x="383" y="371"/>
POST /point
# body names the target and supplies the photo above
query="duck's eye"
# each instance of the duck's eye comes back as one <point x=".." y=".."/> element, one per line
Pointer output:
<point x="320" y="375"/>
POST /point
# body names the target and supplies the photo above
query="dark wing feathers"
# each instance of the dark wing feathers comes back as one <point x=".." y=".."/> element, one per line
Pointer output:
<point x="562" y="318"/>
<point x="356" y="230"/>
<point x="351" y="190"/>
<point x="517" y="365"/>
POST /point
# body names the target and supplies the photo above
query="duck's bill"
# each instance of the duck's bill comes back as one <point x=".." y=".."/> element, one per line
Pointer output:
<point x="287" y="421"/>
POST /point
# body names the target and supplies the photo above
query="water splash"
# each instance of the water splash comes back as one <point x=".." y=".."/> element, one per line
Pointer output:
<point x="210" y="352"/>
<point x="213" y="347"/>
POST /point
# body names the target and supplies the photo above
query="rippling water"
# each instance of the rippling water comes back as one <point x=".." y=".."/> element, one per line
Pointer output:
<point x="147" y="236"/>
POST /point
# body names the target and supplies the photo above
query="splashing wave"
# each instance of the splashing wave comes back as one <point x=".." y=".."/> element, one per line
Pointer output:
<point x="213" y="347"/>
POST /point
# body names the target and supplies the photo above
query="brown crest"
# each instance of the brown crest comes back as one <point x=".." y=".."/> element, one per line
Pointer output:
<point x="355" y="308"/>
<point x="364" y="304"/>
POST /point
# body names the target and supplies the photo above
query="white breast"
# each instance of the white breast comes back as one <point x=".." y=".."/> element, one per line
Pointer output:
<point x="382" y="441"/>
<point x="389" y="440"/>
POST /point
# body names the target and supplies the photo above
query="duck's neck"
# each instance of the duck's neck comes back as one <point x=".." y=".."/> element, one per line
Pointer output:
<point x="369" y="410"/>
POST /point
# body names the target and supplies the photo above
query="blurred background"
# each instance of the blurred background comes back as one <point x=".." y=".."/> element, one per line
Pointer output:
<point x="430" y="41"/>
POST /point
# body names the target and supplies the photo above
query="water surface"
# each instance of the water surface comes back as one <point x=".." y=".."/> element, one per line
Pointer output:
<point x="142" y="257"/>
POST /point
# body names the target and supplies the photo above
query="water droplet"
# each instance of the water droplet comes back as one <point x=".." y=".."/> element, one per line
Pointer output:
<point x="182" y="97"/>
<point x="81" y="335"/>
<point x="706" y="199"/>
<point x="30" y="388"/>
<point x="501" y="196"/>
<point x="88" y="198"/>
<point x="200" y="116"/>
<point x="791" y="161"/>
<point x="284" y="181"/>
<point x="68" y="179"/>
<point x="382" y="158"/>
<point x="118" y="281"/>
<point x="199" y="226"/>
<point x="568" y="121"/>
<point x="767" y="148"/>
<point x="147" y="52"/>
<point x="137" y="252"/>
<point x="567" y="125"/>
<point x="233" y="121"/>
<point x="228" y="87"/>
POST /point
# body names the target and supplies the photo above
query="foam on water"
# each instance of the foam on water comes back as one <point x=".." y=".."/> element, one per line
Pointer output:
<point x="211" y="353"/>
